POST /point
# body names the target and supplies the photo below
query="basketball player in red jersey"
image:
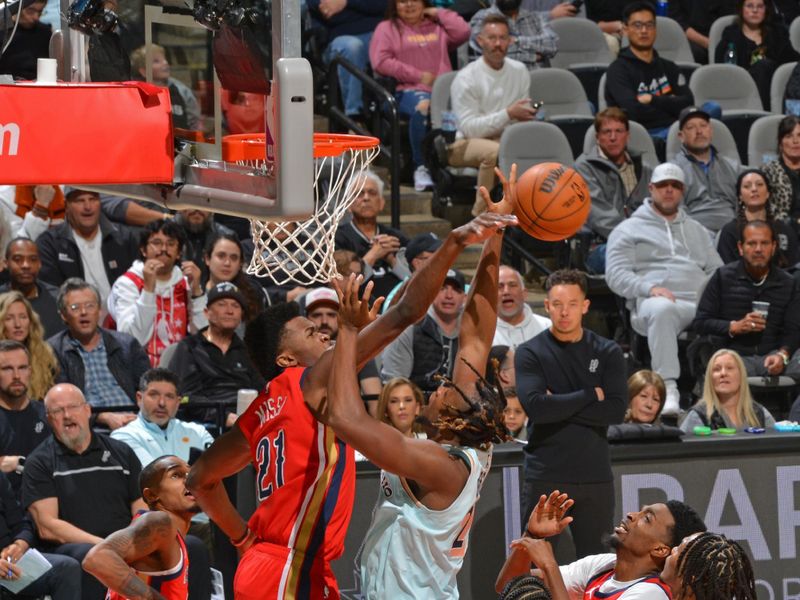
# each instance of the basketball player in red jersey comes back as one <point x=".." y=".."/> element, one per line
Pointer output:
<point x="148" y="559"/>
<point x="305" y="475"/>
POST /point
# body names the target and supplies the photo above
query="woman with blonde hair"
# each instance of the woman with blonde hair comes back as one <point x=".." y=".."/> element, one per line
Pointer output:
<point x="646" y="396"/>
<point x="399" y="405"/>
<point x="726" y="401"/>
<point x="21" y="323"/>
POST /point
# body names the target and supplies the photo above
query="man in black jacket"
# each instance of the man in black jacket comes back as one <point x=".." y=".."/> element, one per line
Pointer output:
<point x="105" y="364"/>
<point x="765" y="336"/>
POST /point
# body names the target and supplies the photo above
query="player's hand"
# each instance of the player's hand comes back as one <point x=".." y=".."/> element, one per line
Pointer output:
<point x="482" y="227"/>
<point x="540" y="552"/>
<point x="149" y="273"/>
<point x="354" y="312"/>
<point x="509" y="199"/>
<point x="547" y="518"/>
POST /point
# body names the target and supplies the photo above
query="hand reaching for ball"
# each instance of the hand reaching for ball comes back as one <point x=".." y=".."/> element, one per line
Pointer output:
<point x="509" y="199"/>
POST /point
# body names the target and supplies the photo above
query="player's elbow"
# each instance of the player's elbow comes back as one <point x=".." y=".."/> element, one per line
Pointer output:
<point x="200" y="481"/>
<point x="93" y="561"/>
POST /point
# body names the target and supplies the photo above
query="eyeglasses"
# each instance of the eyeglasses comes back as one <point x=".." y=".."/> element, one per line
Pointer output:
<point x="61" y="411"/>
<point x="497" y="38"/>
<point x="641" y="25"/>
<point x="78" y="306"/>
<point x="171" y="244"/>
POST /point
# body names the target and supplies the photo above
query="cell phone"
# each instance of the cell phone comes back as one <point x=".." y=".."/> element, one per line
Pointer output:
<point x="577" y="4"/>
<point x="537" y="105"/>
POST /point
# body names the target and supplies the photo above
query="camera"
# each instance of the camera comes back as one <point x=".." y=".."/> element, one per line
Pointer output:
<point x="89" y="16"/>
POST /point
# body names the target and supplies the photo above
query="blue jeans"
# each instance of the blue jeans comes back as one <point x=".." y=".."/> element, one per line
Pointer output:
<point x="354" y="48"/>
<point x="407" y="101"/>
<point x="712" y="108"/>
<point x="62" y="582"/>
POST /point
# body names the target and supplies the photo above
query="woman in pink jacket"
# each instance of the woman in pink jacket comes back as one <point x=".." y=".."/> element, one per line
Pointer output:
<point x="412" y="46"/>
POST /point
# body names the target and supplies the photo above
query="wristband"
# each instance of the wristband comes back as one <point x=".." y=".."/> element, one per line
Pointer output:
<point x="241" y="541"/>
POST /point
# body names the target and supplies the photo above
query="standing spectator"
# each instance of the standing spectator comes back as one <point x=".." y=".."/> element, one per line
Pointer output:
<point x="617" y="178"/>
<point x="104" y="363"/>
<point x="87" y="245"/>
<point x="534" y="42"/>
<point x="516" y="322"/>
<point x="24" y="264"/>
<point x="696" y="19"/>
<point x="20" y="323"/>
<point x="760" y="44"/>
<point x="376" y="244"/>
<point x="61" y="470"/>
<point x="659" y="260"/>
<point x="23" y="424"/>
<point x="570" y="381"/>
<point x="783" y="173"/>
<point x="710" y="194"/>
<point x="157" y="300"/>
<point x="349" y="25"/>
<point x="31" y="40"/>
<point x="31" y="209"/>
<point x="199" y="228"/>
<point x="487" y="95"/>
<point x="755" y="204"/>
<point x="213" y="364"/>
<point x="413" y="46"/>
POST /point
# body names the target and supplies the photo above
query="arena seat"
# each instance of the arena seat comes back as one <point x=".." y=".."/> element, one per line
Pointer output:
<point x="639" y="141"/>
<point x="582" y="49"/>
<point x="763" y="140"/>
<point x="722" y="138"/>
<point x="565" y="103"/>
<point x="794" y="34"/>
<point x="601" y="94"/>
<point x="777" y="87"/>
<point x="531" y="143"/>
<point x="715" y="35"/>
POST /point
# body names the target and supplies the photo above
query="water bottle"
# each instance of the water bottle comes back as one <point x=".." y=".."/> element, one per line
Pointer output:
<point x="449" y="125"/>
<point x="662" y="8"/>
<point x="730" y="54"/>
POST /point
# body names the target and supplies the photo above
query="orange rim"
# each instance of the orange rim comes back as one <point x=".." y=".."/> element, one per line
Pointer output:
<point x="252" y="146"/>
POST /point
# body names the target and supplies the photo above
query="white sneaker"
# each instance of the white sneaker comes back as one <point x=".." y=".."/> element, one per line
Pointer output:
<point x="422" y="179"/>
<point x="672" y="404"/>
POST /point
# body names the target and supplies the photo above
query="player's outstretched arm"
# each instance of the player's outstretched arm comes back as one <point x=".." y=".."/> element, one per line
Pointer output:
<point x="110" y="560"/>
<point x="229" y="454"/>
<point x="426" y="462"/>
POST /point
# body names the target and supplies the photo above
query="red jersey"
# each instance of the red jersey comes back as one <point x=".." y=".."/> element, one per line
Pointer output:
<point x="305" y="475"/>
<point x="173" y="583"/>
<point x="592" y="591"/>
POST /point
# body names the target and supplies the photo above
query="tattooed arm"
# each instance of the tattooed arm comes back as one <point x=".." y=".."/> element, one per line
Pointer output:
<point x="150" y="538"/>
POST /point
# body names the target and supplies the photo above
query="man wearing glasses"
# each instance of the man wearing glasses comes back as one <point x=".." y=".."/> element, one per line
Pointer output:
<point x="159" y="298"/>
<point x="79" y="486"/>
<point x="104" y="363"/>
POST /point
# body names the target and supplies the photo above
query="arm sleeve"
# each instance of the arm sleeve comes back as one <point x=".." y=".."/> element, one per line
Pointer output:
<point x="384" y="55"/>
<point x="706" y="320"/>
<point x="611" y="410"/>
<point x="456" y="29"/>
<point x="37" y="481"/>
<point x="133" y="311"/>
<point x="620" y="258"/>
<point x="466" y="104"/>
<point x="398" y="357"/>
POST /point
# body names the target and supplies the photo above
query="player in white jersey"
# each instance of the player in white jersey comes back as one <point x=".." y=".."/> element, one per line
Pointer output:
<point x="419" y="533"/>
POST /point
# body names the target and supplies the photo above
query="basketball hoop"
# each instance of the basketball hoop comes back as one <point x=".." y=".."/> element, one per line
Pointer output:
<point x="302" y="251"/>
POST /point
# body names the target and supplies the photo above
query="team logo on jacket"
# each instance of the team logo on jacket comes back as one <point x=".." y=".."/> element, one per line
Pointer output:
<point x="593" y="364"/>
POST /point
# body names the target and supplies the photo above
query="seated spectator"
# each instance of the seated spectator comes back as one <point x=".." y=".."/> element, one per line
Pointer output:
<point x="487" y="95"/>
<point x="21" y="324"/>
<point x="534" y="42"/>
<point x="399" y="405"/>
<point x="696" y="19"/>
<point x="199" y="228"/>
<point x="62" y="582"/>
<point x="156" y="432"/>
<point x="726" y="401"/>
<point x="348" y="28"/>
<point x="641" y="82"/>
<point x="765" y="337"/>
<point x="617" y="179"/>
<point x="213" y="364"/>
<point x="755" y="204"/>
<point x="710" y="195"/>
<point x="158" y="300"/>
<point x="419" y="249"/>
<point x="759" y="43"/>
<point x="64" y="467"/>
<point x="186" y="112"/>
<point x="104" y="363"/>
<point x="500" y="371"/>
<point x="31" y="209"/>
<point x="425" y="351"/>
<point x="783" y="173"/>
<point x="412" y="46"/>
<point x="514" y="416"/>
<point x="376" y="244"/>
<point x="87" y="245"/>
<point x="608" y="14"/>
<point x="23" y="424"/>
<point x="23" y="263"/>
<point x="31" y="40"/>
<point x="646" y="396"/>
<point x="516" y="322"/>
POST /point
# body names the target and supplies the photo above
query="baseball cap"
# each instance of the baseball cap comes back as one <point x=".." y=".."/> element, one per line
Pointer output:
<point x="318" y="296"/>
<point x="689" y="113"/>
<point x="667" y="172"/>
<point x="225" y="289"/>
<point x="425" y="242"/>
<point x="456" y="277"/>
<point x="70" y="192"/>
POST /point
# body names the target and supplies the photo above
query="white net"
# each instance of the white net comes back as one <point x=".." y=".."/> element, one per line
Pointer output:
<point x="302" y="251"/>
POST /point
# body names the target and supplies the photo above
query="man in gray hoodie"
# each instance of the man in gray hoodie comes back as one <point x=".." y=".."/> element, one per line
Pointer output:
<point x="659" y="260"/>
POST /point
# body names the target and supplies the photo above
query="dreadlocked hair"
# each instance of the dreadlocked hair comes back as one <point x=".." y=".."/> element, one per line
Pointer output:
<point x="482" y="423"/>
<point x="716" y="568"/>
<point x="525" y="587"/>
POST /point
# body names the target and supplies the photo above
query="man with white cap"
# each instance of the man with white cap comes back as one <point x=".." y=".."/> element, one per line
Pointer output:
<point x="659" y="260"/>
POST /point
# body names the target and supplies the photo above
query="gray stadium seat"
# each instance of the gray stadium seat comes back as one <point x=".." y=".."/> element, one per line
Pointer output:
<point x="601" y="94"/>
<point x="580" y="41"/>
<point x="777" y="87"/>
<point x="715" y="34"/>
<point x="763" y="140"/>
<point x="561" y="91"/>
<point x="440" y="97"/>
<point x="639" y="141"/>
<point x="794" y="34"/>
<point x="722" y="139"/>
<point x="729" y="85"/>
<point x="531" y="143"/>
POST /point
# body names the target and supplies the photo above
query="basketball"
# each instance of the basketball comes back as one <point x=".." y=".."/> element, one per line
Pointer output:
<point x="552" y="201"/>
